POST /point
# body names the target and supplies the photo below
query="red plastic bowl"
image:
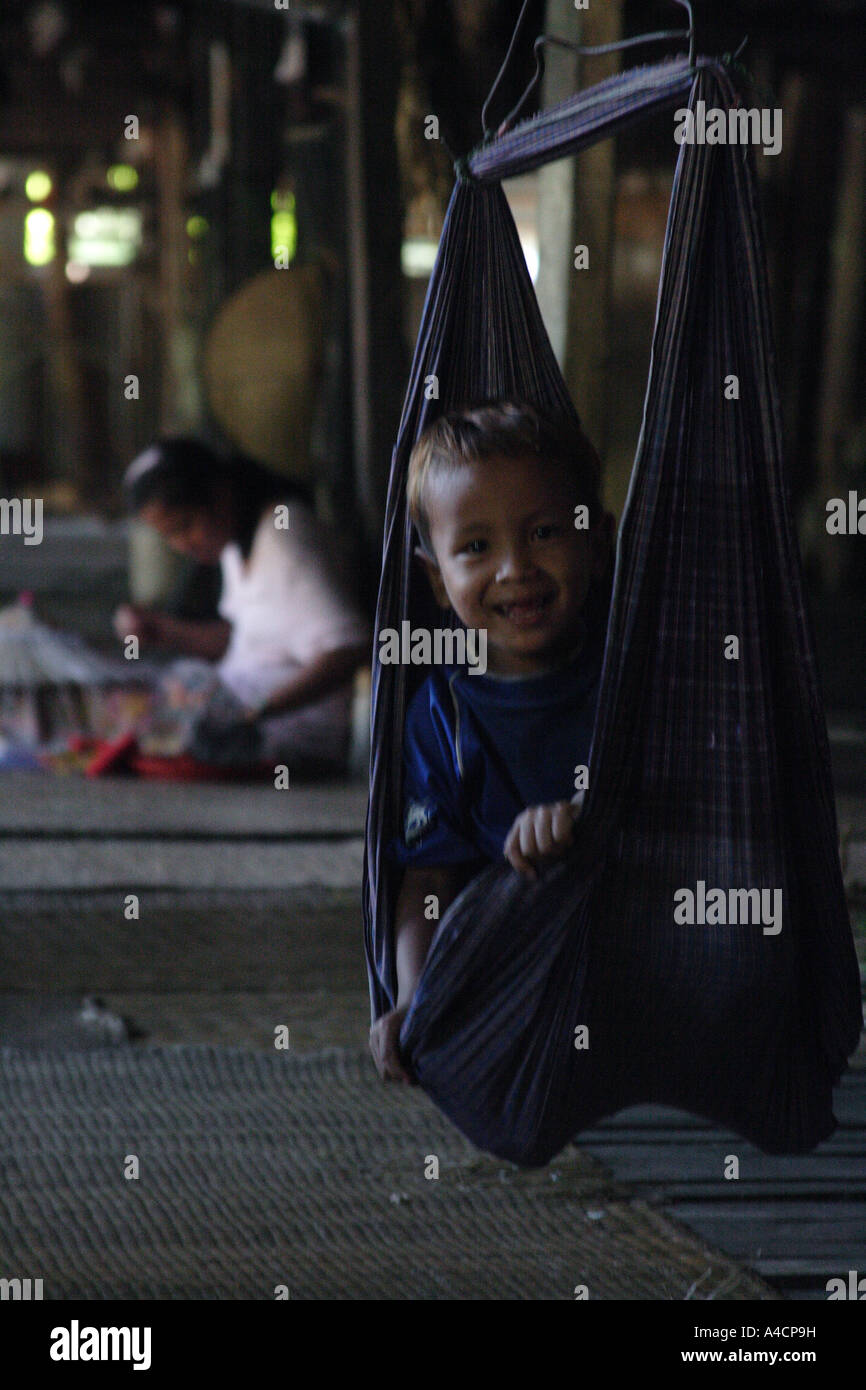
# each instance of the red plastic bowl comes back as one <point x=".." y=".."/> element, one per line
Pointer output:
<point x="184" y="768"/>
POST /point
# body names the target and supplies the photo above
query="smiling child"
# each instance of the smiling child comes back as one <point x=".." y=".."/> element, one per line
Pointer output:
<point x="514" y="539"/>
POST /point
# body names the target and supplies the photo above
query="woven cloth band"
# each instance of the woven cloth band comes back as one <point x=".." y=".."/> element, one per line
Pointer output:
<point x="703" y="770"/>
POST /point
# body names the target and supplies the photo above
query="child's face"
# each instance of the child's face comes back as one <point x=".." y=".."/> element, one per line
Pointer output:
<point x="510" y="559"/>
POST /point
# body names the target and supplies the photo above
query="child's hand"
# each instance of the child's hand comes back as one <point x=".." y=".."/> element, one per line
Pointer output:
<point x="540" y="834"/>
<point x="385" y="1046"/>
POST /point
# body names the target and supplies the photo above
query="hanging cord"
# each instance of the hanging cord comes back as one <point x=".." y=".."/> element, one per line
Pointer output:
<point x="659" y="36"/>
<point x="759" y="89"/>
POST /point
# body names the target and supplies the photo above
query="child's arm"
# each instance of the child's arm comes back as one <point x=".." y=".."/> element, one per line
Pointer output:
<point x="540" y="834"/>
<point x="414" y="932"/>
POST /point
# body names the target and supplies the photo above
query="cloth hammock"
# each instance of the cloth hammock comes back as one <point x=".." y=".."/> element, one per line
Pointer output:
<point x="701" y="768"/>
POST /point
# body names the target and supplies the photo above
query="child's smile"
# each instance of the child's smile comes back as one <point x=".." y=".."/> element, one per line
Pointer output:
<point x="527" y="611"/>
<point x="509" y="558"/>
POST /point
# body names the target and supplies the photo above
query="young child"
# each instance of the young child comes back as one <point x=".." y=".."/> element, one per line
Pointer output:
<point x="499" y="497"/>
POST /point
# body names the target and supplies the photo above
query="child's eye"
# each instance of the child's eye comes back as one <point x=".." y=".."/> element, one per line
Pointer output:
<point x="475" y="547"/>
<point x="544" y="531"/>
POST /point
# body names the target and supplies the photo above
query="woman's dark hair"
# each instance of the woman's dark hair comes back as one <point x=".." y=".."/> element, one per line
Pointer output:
<point x="184" y="472"/>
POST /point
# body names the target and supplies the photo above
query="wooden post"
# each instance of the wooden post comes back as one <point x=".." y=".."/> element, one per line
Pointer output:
<point x="374" y="240"/>
<point x="76" y="459"/>
<point x="799" y="234"/>
<point x="153" y="567"/>
<point x="576" y="201"/>
<point x="556" y="185"/>
<point x="359" y="277"/>
<point x="844" y="307"/>
<point x="177" y="410"/>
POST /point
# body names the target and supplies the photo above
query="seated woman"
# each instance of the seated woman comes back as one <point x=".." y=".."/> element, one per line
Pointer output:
<point x="281" y="657"/>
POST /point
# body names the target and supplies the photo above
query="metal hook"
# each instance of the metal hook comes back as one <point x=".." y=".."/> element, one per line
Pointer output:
<point x="686" y="5"/>
<point x="661" y="35"/>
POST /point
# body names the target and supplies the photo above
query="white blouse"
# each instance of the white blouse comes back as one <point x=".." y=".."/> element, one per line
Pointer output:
<point x="286" y="605"/>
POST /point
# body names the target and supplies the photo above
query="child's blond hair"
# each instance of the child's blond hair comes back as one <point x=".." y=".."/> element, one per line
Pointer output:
<point x="499" y="429"/>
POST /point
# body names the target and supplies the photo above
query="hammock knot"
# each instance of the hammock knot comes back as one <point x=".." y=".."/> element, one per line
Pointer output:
<point x="462" y="171"/>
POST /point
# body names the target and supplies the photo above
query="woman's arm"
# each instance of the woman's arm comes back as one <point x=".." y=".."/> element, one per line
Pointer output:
<point x="323" y="675"/>
<point x="208" y="639"/>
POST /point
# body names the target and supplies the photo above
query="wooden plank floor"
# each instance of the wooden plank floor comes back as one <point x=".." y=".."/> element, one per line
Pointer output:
<point x="796" y="1221"/>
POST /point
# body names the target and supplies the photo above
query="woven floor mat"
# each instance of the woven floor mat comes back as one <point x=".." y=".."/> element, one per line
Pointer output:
<point x="259" y="1170"/>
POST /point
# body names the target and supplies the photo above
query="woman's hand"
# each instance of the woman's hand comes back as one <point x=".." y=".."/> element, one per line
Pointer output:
<point x="207" y="638"/>
<point x="385" y="1046"/>
<point x="135" y="620"/>
<point x="541" y="834"/>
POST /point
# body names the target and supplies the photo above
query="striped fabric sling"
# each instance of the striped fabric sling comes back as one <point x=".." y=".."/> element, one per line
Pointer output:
<point x="703" y="770"/>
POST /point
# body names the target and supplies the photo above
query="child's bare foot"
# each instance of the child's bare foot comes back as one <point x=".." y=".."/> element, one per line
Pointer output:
<point x="385" y="1046"/>
<point x="540" y="834"/>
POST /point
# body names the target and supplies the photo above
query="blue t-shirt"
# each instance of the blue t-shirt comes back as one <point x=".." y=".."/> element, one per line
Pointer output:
<point x="477" y="750"/>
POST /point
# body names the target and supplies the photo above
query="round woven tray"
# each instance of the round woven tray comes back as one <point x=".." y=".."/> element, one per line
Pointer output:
<point x="262" y="362"/>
